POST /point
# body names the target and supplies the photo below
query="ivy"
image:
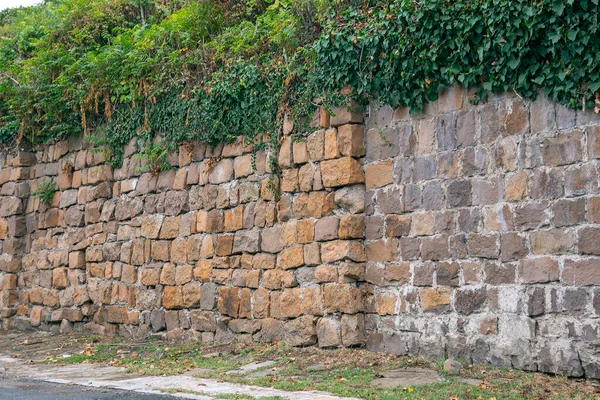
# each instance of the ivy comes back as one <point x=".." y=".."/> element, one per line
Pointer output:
<point x="214" y="70"/>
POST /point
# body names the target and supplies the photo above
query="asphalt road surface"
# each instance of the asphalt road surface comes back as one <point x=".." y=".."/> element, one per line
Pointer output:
<point x="19" y="389"/>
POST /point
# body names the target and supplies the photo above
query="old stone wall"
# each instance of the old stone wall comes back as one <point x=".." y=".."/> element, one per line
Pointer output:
<point x="466" y="230"/>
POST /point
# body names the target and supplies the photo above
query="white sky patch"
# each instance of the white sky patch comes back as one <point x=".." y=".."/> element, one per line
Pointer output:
<point x="16" y="3"/>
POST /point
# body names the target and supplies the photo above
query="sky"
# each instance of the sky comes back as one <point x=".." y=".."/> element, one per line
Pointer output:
<point x="16" y="3"/>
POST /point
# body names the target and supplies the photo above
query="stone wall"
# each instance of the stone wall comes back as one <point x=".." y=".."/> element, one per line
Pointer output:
<point x="471" y="231"/>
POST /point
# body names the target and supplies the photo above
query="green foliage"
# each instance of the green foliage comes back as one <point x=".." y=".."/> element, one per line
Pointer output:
<point x="213" y="70"/>
<point x="154" y="158"/>
<point x="404" y="52"/>
<point x="45" y="191"/>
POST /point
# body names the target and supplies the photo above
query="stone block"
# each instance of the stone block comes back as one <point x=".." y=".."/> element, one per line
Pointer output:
<point x="435" y="300"/>
<point x="581" y="272"/>
<point x="468" y="301"/>
<point x="484" y="246"/>
<point x="346" y="115"/>
<point x="329" y="332"/>
<point x="326" y="229"/>
<point x="290" y="303"/>
<point x="563" y="149"/>
<point x="435" y="248"/>
<point x="343" y="298"/>
<point x="378" y="175"/>
<point x="222" y="172"/>
<point x="337" y="250"/>
<point x="351" y="227"/>
<point x="513" y="246"/>
<point x="292" y="257"/>
<point x="382" y="250"/>
<point x="555" y="241"/>
<point x="289" y="182"/>
<point x="341" y="172"/>
<point x="60" y="278"/>
<point x="458" y="193"/>
<point x="589" y="240"/>
<point x="350" y="140"/>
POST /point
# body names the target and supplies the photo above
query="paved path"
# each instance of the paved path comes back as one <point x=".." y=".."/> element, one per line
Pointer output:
<point x="105" y="377"/>
<point x="20" y="389"/>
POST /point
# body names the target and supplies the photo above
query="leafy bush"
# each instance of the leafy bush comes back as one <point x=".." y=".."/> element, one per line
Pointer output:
<point x="212" y="70"/>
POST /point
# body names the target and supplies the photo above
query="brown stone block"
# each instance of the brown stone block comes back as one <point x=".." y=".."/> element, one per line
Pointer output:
<point x="563" y="149"/>
<point x="538" y="270"/>
<point x="300" y="152"/>
<point x="292" y="257"/>
<point x="161" y="250"/>
<point x="568" y="212"/>
<point x="447" y="273"/>
<point x="382" y="250"/>
<point x="351" y="140"/>
<point x="315" y="144"/>
<point x="183" y="274"/>
<point x="484" y="246"/>
<point x="98" y="174"/>
<point x="306" y="231"/>
<point x="594" y="209"/>
<point x="326" y="229"/>
<point x="60" y="279"/>
<point x="514" y="118"/>
<point x="581" y="272"/>
<point x="435" y="248"/>
<point x="346" y="115"/>
<point x="9" y="282"/>
<point x="385" y="303"/>
<point x="150" y="276"/>
<point x="151" y="225"/>
<point x="209" y="221"/>
<point x="203" y="270"/>
<point x="285" y="153"/>
<point x="378" y="175"/>
<point x="351" y="227"/>
<point x="513" y="247"/>
<point x="423" y="224"/>
<point x="261" y="303"/>
<point x="555" y="241"/>
<point x="341" y="172"/>
<point x="229" y="301"/>
<point x="499" y="273"/>
<point x="593" y="141"/>
<point x="589" y="240"/>
<point x="337" y="250"/>
<point x="224" y="245"/>
<point x="116" y="315"/>
<point x="326" y="273"/>
<point x="343" y="298"/>
<point x="289" y="182"/>
<point x="242" y="166"/>
<point x="353" y="330"/>
<point x="331" y="144"/>
<point x="290" y="303"/>
<point x="435" y="300"/>
<point x="264" y="261"/>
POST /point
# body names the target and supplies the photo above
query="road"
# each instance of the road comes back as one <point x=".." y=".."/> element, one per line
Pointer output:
<point x="19" y="389"/>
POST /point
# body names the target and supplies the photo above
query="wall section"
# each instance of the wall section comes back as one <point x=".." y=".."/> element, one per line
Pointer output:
<point x="471" y="231"/>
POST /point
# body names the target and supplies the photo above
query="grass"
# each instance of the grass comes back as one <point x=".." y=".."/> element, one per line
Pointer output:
<point x="343" y="372"/>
